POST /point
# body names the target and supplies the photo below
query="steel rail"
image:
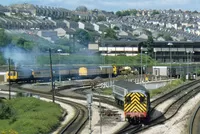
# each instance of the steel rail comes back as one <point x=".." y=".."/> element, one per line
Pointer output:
<point x="192" y="122"/>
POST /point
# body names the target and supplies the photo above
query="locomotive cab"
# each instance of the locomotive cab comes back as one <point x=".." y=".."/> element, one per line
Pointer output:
<point x="12" y="76"/>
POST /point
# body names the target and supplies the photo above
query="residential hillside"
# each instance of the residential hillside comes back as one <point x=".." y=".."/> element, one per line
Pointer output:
<point x="53" y="23"/>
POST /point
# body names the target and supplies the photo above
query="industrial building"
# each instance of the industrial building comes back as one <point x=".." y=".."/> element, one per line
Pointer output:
<point x="183" y="51"/>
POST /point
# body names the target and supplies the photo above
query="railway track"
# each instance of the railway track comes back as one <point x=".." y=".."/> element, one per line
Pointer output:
<point x="79" y="120"/>
<point x="194" y="123"/>
<point x="133" y="128"/>
<point x="112" y="102"/>
<point x="103" y="99"/>
<point x="72" y="127"/>
<point x="185" y="94"/>
<point x="170" y="94"/>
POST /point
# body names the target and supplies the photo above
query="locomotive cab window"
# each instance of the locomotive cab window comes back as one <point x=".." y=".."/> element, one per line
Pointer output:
<point x="128" y="100"/>
<point x="12" y="73"/>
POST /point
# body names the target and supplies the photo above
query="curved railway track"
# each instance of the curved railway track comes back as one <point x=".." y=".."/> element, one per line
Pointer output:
<point x="194" y="123"/>
<point x="77" y="123"/>
<point x="131" y="128"/>
<point x="170" y="111"/>
<point x="170" y="94"/>
<point x="103" y="99"/>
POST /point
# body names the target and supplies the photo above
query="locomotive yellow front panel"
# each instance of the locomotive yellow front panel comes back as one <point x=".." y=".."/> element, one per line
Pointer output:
<point x="135" y="103"/>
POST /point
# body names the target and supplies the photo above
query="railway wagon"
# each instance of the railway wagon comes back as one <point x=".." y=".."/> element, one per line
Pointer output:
<point x="71" y="72"/>
<point x="134" y="98"/>
<point x="94" y="71"/>
<point x="63" y="72"/>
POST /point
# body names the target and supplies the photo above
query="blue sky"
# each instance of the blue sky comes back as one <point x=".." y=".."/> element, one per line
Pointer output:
<point x="115" y="5"/>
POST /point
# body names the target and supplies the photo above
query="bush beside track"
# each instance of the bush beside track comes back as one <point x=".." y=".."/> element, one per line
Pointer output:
<point x="167" y="87"/>
<point x="29" y="116"/>
<point x="106" y="91"/>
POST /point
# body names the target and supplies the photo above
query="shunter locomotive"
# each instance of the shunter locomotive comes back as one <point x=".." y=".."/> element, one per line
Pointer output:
<point x="135" y="100"/>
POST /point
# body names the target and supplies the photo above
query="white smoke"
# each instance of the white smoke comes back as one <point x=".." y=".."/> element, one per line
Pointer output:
<point x="18" y="56"/>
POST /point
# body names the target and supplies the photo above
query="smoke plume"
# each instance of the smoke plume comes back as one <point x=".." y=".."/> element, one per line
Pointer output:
<point x="18" y="56"/>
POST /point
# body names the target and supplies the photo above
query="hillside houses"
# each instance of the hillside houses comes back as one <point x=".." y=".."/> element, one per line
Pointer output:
<point x="176" y="23"/>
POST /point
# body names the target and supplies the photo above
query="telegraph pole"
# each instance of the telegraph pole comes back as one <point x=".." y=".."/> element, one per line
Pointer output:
<point x="89" y="103"/>
<point x="100" y="113"/>
<point x="9" y="79"/>
<point x="51" y="70"/>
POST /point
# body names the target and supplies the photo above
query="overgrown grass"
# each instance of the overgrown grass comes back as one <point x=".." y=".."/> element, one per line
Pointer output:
<point x="31" y="116"/>
<point x="168" y="87"/>
<point x="154" y="92"/>
<point x="106" y="91"/>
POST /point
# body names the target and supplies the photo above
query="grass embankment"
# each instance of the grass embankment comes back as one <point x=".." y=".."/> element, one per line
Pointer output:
<point x="29" y="116"/>
<point x="167" y="87"/>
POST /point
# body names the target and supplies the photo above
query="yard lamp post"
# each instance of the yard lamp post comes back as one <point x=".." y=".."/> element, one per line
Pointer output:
<point x="141" y="71"/>
<point x="170" y="44"/>
<point x="51" y="71"/>
<point x="191" y="57"/>
<point x="9" y="74"/>
<point x="187" y="65"/>
<point x="146" y="62"/>
<point x="146" y="68"/>
<point x="59" y="50"/>
<point x="155" y="57"/>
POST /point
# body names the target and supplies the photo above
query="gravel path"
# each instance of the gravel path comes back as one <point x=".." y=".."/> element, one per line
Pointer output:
<point x="110" y="124"/>
<point x="179" y="124"/>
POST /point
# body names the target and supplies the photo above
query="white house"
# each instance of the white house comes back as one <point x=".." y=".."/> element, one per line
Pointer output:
<point x="81" y="25"/>
<point x="96" y="27"/>
<point x="60" y="32"/>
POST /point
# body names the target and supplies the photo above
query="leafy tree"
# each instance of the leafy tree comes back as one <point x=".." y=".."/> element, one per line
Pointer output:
<point x="101" y="18"/>
<point x="110" y="33"/>
<point x="2" y="60"/>
<point x="119" y="13"/>
<point x="4" y="39"/>
<point x="160" y="35"/>
<point x="155" y="12"/>
<point x="63" y="42"/>
<point x="195" y="11"/>
<point x="133" y="12"/>
<point x="116" y="28"/>
<point x="93" y="36"/>
<point x="28" y="45"/>
<point x="149" y="44"/>
<point x="6" y="111"/>
<point x="75" y="18"/>
<point x="149" y="33"/>
<point x="167" y="37"/>
<point x="83" y="37"/>
<point x="126" y="13"/>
